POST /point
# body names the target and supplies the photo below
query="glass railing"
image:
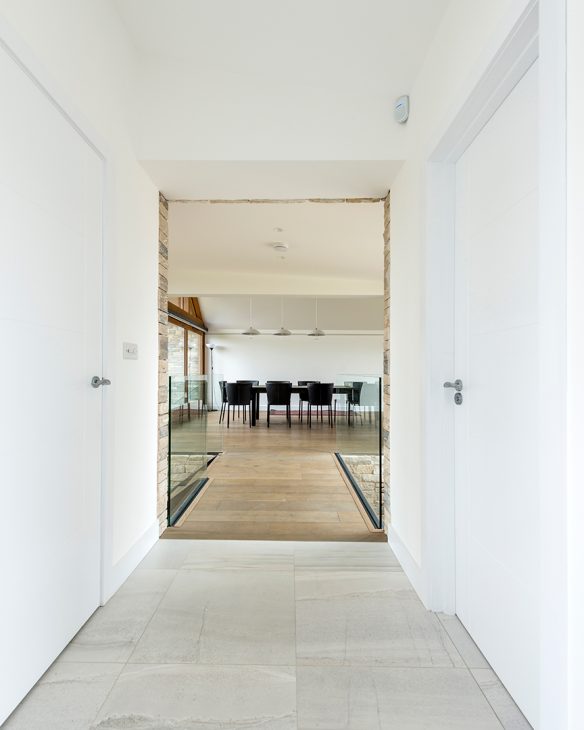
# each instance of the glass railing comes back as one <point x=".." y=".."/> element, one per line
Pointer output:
<point x="359" y="439"/>
<point x="214" y="428"/>
<point x="188" y="445"/>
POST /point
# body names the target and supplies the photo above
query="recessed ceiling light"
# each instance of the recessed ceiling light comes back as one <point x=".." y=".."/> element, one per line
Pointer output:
<point x="280" y="246"/>
<point x="278" y="230"/>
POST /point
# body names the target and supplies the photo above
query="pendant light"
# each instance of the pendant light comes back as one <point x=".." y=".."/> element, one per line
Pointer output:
<point x="251" y="330"/>
<point x="283" y="331"/>
<point x="316" y="332"/>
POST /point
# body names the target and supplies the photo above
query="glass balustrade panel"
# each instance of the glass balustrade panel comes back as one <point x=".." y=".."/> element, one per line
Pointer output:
<point x="188" y="456"/>
<point x="359" y="422"/>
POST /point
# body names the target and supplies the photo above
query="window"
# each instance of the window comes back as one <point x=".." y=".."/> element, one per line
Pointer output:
<point x="194" y="356"/>
<point x="185" y="351"/>
<point x="176" y="350"/>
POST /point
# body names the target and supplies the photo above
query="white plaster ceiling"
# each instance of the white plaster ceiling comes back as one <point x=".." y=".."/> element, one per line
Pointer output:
<point x="267" y="80"/>
<point x="338" y="44"/>
<point x="224" y="248"/>
<point x="335" y="314"/>
<point x="235" y="180"/>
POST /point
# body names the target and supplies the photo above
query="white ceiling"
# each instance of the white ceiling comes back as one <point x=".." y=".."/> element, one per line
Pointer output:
<point x="309" y="80"/>
<point x="231" y="314"/>
<point x="340" y="44"/>
<point x="231" y="241"/>
<point x="228" y="180"/>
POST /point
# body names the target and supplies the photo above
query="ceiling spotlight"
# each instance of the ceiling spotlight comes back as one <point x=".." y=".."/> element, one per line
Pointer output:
<point x="280" y="247"/>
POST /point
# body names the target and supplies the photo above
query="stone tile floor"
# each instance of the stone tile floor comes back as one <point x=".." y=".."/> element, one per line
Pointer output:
<point x="270" y="636"/>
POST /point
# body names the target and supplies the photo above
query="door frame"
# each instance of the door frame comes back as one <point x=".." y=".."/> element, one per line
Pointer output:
<point x="539" y="33"/>
<point x="15" y="47"/>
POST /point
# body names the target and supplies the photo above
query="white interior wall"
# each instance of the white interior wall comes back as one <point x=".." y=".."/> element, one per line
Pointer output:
<point x="575" y="385"/>
<point x="84" y="48"/>
<point x="267" y="357"/>
<point x="468" y="37"/>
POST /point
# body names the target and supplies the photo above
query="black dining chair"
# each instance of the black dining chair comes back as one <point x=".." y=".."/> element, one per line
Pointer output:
<point x="240" y="395"/>
<point x="354" y="398"/>
<point x="278" y="394"/>
<point x="222" y="384"/>
<point x="303" y="396"/>
<point x="320" y="395"/>
<point x="257" y="395"/>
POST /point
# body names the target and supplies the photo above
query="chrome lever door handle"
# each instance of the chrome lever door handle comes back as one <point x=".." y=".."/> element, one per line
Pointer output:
<point x="96" y="381"/>
<point x="457" y="385"/>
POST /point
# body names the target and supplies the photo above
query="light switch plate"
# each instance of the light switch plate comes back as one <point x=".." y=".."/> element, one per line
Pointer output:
<point x="130" y="351"/>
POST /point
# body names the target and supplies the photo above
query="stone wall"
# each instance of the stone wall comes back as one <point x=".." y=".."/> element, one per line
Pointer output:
<point x="386" y="356"/>
<point x="162" y="510"/>
<point x="185" y="466"/>
<point x="365" y="471"/>
<point x="176" y="350"/>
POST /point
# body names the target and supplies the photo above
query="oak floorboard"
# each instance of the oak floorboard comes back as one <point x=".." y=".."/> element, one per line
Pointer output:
<point x="274" y="484"/>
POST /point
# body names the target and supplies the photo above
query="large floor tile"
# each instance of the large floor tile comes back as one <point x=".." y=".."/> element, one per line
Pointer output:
<point x="352" y="617"/>
<point x="364" y="698"/>
<point x="216" y="555"/>
<point x="166" y="555"/>
<point x="187" y="697"/>
<point x="223" y="617"/>
<point x="333" y="556"/>
<point x="67" y="697"/>
<point x="112" y="632"/>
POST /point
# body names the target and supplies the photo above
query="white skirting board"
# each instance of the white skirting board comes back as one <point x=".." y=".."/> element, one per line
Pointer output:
<point x="411" y="568"/>
<point x="114" y="576"/>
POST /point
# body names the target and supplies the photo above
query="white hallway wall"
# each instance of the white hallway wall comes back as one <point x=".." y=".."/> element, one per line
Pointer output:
<point x="468" y="38"/>
<point x="83" y="46"/>
<point x="575" y="267"/>
<point x="267" y="357"/>
<point x="453" y="65"/>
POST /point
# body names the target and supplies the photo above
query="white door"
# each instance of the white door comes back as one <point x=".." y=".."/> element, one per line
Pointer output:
<point x="496" y="353"/>
<point x="50" y="330"/>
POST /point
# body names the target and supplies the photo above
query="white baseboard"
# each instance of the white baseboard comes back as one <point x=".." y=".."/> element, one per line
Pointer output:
<point x="411" y="568"/>
<point x="115" y="575"/>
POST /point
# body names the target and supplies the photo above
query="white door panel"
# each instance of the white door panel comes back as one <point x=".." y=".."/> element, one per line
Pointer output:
<point x="496" y="354"/>
<point x="50" y="326"/>
<point x="502" y="272"/>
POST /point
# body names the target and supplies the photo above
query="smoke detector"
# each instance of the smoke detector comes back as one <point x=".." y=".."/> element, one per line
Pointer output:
<point x="401" y="109"/>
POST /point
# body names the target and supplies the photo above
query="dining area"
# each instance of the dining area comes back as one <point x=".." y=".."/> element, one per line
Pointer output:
<point x="276" y="459"/>
<point x="283" y="401"/>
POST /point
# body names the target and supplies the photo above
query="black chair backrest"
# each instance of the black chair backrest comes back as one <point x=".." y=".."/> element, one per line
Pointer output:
<point x="238" y="394"/>
<point x="320" y="394"/>
<point x="356" y="388"/>
<point x="222" y="384"/>
<point x="248" y="382"/>
<point x="304" y="395"/>
<point x="278" y="392"/>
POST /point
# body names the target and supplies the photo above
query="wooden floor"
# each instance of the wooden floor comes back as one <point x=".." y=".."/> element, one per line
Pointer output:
<point x="275" y="484"/>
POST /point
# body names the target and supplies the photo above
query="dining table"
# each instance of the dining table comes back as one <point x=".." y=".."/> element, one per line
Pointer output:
<point x="257" y="390"/>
